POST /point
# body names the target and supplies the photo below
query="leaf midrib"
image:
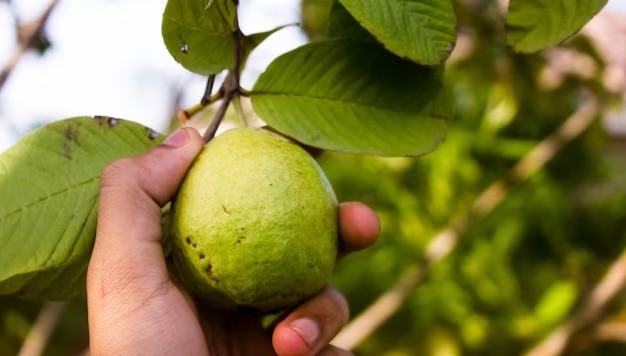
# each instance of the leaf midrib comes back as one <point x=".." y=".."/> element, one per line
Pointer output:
<point x="345" y="102"/>
<point x="50" y="196"/>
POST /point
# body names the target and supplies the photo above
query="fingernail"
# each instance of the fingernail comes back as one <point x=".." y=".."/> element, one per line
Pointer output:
<point x="177" y="139"/>
<point x="308" y="330"/>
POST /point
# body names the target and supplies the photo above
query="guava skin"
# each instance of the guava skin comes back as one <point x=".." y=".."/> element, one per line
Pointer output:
<point x="254" y="223"/>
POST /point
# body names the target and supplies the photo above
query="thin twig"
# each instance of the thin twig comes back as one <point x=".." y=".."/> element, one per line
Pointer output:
<point x="26" y="42"/>
<point x="230" y="88"/>
<point x="445" y="241"/>
<point x="217" y="120"/>
<point x="42" y="328"/>
<point x="185" y="114"/>
<point x="206" y="97"/>
<point x="602" y="294"/>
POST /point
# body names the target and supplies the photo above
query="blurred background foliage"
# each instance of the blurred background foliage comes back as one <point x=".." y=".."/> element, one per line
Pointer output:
<point x="516" y="273"/>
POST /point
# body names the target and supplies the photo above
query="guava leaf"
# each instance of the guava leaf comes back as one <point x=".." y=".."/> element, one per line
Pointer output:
<point x="423" y="31"/>
<point x="251" y="42"/>
<point x="342" y="25"/>
<point x="354" y="96"/>
<point x="199" y="34"/>
<point x="49" y="184"/>
<point x="534" y="25"/>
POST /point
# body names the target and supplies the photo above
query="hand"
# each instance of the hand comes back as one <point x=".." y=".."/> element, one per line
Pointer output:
<point x="136" y="308"/>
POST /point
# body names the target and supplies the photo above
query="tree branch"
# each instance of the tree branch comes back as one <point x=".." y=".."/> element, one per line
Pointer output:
<point x="445" y="241"/>
<point x="25" y="42"/>
<point x="37" y="338"/>
<point x="602" y="294"/>
<point x="230" y="88"/>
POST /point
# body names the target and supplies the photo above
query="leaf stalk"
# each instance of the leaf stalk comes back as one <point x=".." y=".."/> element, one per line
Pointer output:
<point x="230" y="87"/>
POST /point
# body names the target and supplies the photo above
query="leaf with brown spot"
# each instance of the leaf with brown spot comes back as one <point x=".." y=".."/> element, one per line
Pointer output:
<point x="49" y="184"/>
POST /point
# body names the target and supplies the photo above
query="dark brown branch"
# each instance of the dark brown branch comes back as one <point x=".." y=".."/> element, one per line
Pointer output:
<point x="230" y="88"/>
<point x="206" y="97"/>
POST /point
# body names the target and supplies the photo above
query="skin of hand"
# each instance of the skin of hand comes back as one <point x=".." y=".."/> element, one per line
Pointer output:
<point x="135" y="307"/>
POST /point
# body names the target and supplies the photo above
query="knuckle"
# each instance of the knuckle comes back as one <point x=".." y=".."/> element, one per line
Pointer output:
<point x="336" y="304"/>
<point x="117" y="172"/>
<point x="341" y="304"/>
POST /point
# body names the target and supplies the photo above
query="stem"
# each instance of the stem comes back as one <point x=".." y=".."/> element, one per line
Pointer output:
<point x="230" y="88"/>
<point x="40" y="332"/>
<point x="185" y="114"/>
<point x="245" y="93"/>
<point x="206" y="97"/>
<point x="221" y="112"/>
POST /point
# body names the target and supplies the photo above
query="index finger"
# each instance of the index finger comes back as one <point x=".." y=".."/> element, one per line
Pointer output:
<point x="359" y="226"/>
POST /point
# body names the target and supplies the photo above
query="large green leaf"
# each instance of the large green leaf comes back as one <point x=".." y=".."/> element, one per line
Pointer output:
<point x="251" y="42"/>
<point x="354" y="96"/>
<point x="49" y="184"/>
<point x="537" y="24"/>
<point x="423" y="31"/>
<point x="342" y="25"/>
<point x="199" y="34"/>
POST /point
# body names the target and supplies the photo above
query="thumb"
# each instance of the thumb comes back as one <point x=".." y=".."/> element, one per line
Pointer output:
<point x="157" y="173"/>
<point x="127" y="254"/>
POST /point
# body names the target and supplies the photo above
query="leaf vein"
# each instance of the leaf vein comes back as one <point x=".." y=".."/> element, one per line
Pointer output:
<point x="49" y="196"/>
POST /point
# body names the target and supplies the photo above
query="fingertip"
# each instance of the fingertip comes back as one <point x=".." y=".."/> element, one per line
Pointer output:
<point x="288" y="342"/>
<point x="194" y="137"/>
<point x="359" y="225"/>
<point x="312" y="325"/>
<point x="186" y="137"/>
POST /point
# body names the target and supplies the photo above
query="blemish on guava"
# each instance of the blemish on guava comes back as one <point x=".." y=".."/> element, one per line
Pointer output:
<point x="189" y="241"/>
<point x="225" y="210"/>
<point x="240" y="239"/>
<point x="209" y="273"/>
<point x="201" y="256"/>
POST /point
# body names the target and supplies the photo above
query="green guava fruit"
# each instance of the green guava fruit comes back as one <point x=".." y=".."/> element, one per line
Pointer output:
<point x="254" y="223"/>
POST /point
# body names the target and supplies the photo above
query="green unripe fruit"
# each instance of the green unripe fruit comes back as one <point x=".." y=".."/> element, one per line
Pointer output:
<point x="254" y="223"/>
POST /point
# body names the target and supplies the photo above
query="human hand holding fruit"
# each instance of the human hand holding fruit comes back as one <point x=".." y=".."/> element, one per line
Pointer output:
<point x="136" y="308"/>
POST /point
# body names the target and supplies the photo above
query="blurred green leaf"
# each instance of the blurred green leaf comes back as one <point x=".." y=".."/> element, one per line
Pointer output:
<point x="49" y="183"/>
<point x="556" y="302"/>
<point x="534" y="25"/>
<point x="356" y="97"/>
